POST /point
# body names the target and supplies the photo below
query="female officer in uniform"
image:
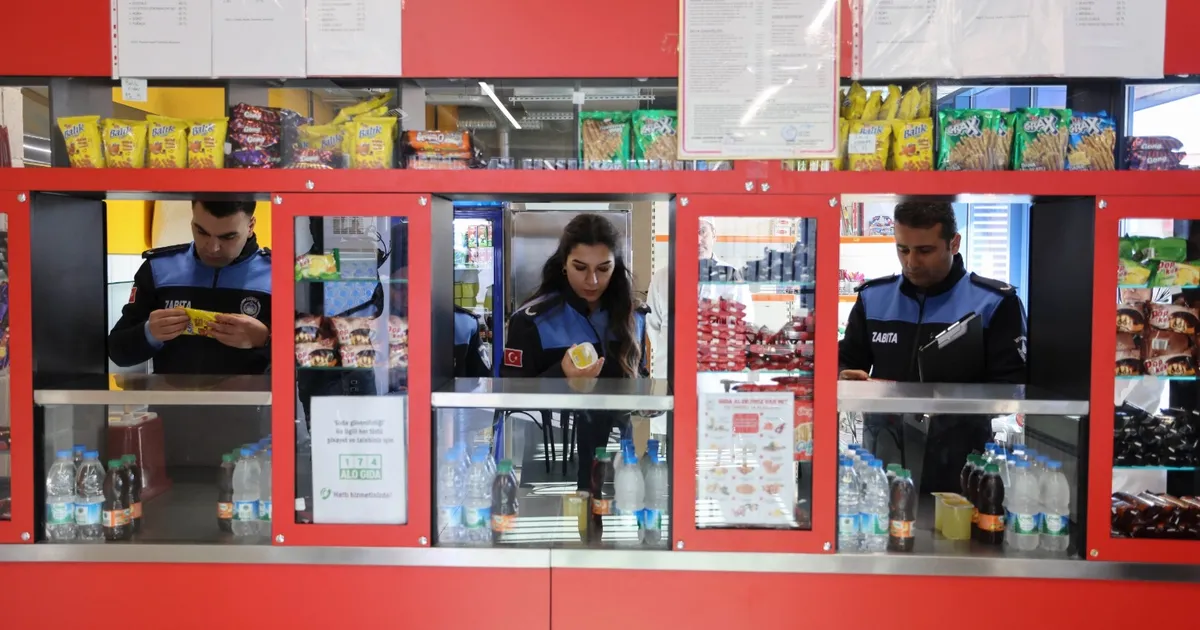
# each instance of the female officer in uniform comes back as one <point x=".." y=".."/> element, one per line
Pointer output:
<point x="586" y="295"/>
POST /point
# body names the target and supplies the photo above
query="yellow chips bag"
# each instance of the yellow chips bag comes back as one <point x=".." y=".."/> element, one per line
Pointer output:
<point x="199" y="322"/>
<point x="874" y="105"/>
<point x="856" y="100"/>
<point x="206" y="143"/>
<point x="891" y="104"/>
<point x="167" y="142"/>
<point x="910" y="104"/>
<point x="867" y="145"/>
<point x="82" y="135"/>
<point x="124" y="142"/>
<point x="926" y="105"/>
<point x="374" y="139"/>
<point x="912" y="145"/>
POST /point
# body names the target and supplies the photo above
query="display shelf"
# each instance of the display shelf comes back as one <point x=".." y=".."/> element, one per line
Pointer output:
<point x="1161" y="468"/>
<point x="1165" y="378"/>
<point x="853" y="297"/>
<point x="148" y="389"/>
<point x="555" y="393"/>
<point x="946" y="398"/>
<point x="1184" y="287"/>
<point x="360" y="280"/>
<point x="849" y="240"/>
<point x="761" y="285"/>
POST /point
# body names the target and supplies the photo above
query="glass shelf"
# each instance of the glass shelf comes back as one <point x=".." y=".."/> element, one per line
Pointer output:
<point x="370" y="280"/>
<point x="1147" y="286"/>
<point x="1165" y="378"/>
<point x="1158" y="468"/>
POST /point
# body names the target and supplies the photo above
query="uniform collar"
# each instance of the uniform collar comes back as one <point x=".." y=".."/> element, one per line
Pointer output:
<point x="957" y="271"/>
<point x="578" y="303"/>
<point x="248" y="250"/>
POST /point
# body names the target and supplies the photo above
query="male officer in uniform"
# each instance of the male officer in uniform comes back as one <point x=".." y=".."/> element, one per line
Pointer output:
<point x="896" y="315"/>
<point x="222" y="270"/>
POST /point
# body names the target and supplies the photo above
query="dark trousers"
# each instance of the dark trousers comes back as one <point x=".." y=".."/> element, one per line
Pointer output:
<point x="934" y="448"/>
<point x="592" y="431"/>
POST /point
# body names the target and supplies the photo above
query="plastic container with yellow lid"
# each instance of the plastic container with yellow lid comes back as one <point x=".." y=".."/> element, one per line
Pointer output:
<point x="583" y="355"/>
<point x="952" y="515"/>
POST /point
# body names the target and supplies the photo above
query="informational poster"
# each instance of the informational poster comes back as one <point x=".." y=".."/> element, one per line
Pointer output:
<point x="905" y="39"/>
<point x="359" y="467"/>
<point x="758" y="79"/>
<point x="164" y="38"/>
<point x="745" y="448"/>
<point x="258" y="38"/>
<point x="353" y="38"/>
<point x="1012" y="38"/>
<point x="1116" y="38"/>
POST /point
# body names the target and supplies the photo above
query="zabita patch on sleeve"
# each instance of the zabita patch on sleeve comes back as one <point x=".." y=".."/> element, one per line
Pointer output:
<point x="513" y="358"/>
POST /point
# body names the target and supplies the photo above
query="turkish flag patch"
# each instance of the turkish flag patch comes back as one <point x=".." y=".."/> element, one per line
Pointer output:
<point x="132" y="295"/>
<point x="513" y="358"/>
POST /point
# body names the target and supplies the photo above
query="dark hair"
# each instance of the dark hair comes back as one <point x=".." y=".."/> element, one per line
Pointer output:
<point x="926" y="214"/>
<point x="222" y="209"/>
<point x="617" y="299"/>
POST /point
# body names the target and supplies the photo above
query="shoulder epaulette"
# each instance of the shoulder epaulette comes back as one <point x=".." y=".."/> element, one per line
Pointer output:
<point x="877" y="282"/>
<point x="541" y="305"/>
<point x="1002" y="288"/>
<point x="169" y="250"/>
<point x="264" y="251"/>
<point x="642" y="308"/>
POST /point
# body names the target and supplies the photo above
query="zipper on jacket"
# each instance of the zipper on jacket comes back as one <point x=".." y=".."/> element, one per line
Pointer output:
<point x="912" y="364"/>
<point x="216" y="275"/>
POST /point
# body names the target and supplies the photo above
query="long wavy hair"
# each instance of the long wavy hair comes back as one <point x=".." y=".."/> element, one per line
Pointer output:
<point x="617" y="299"/>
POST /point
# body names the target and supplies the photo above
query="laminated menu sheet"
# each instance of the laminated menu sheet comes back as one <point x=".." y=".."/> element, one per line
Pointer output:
<point x="905" y="39"/>
<point x="758" y="79"/>
<point x="1012" y="38"/>
<point x="163" y="38"/>
<point x="1116" y="38"/>
<point x="253" y="38"/>
<point x="354" y="38"/>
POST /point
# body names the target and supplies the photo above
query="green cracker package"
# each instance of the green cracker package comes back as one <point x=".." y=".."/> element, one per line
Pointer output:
<point x="973" y="140"/>
<point x="604" y="139"/>
<point x="1040" y="139"/>
<point x="654" y="135"/>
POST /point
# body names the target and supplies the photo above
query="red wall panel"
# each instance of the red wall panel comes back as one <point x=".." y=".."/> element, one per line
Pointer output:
<point x="64" y="38"/>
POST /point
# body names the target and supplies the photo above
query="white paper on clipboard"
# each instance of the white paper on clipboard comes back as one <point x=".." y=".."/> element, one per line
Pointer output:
<point x="759" y="80"/>
<point x="353" y="38"/>
<point x="164" y="38"/>
<point x="1116" y="38"/>
<point x="905" y="39"/>
<point x="252" y="38"/>
<point x="1013" y="38"/>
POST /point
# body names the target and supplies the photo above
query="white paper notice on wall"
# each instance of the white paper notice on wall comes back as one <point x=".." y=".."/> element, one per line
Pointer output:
<point x="359" y="466"/>
<point x="258" y="38"/>
<point x="134" y="90"/>
<point x="759" y="79"/>
<point x="353" y="38"/>
<point x="1012" y="38"/>
<point x="1116" y="38"/>
<point x="905" y="39"/>
<point x="164" y="38"/>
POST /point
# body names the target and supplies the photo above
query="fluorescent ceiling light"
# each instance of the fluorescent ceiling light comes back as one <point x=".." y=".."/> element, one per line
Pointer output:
<point x="487" y="89"/>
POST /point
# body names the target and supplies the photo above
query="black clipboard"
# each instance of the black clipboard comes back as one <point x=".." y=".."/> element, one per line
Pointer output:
<point x="956" y="355"/>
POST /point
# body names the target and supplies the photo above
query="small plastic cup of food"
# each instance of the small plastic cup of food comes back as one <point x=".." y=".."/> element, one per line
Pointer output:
<point x="583" y="355"/>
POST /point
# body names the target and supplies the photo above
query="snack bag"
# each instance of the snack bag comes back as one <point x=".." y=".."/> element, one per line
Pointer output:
<point x="398" y="357"/>
<point x="308" y="328"/>
<point x="1176" y="274"/>
<point x="926" y="104"/>
<point x="354" y="331"/>
<point x="605" y="139"/>
<point x="856" y="102"/>
<point x="397" y="330"/>
<point x="316" y="354"/>
<point x="891" y="104"/>
<point x="324" y="138"/>
<point x="654" y="135"/>
<point x="839" y="163"/>
<point x="973" y="140"/>
<point x="351" y="112"/>
<point x="167" y="142"/>
<point x="206" y="143"/>
<point x="437" y="142"/>
<point x="912" y="145"/>
<point x="373" y="142"/>
<point x="910" y="104"/>
<point x="874" y="105"/>
<point x="319" y="266"/>
<point x="867" y="145"/>
<point x="1093" y="143"/>
<point x="1040" y="139"/>
<point x="359" y="356"/>
<point x="199" y="322"/>
<point x="1170" y="248"/>
<point x="124" y="143"/>
<point x="82" y="135"/>
<point x="1131" y="272"/>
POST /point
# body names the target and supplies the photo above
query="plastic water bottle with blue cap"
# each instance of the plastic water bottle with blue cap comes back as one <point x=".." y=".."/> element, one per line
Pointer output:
<point x="848" y="507"/>
<point x="246" y="475"/>
<point x="60" y="498"/>
<point x="1056" y="508"/>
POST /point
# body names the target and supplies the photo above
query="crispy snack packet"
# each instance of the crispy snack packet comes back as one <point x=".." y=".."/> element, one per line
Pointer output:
<point x="82" y="135"/>
<point x="912" y="145"/>
<point x="374" y="142"/>
<point x="199" y="322"/>
<point x="856" y="100"/>
<point x="910" y="104"/>
<point x="874" y="105"/>
<point x="867" y="145"/>
<point x="605" y="139"/>
<point x="1040" y="139"/>
<point x="891" y="104"/>
<point x="351" y="112"/>
<point x="1093" y="143"/>
<point x="925" y="107"/>
<point x="319" y="266"/>
<point x="973" y="140"/>
<point x="124" y="142"/>
<point x="654" y="135"/>
<point x="206" y="143"/>
<point x="167" y="142"/>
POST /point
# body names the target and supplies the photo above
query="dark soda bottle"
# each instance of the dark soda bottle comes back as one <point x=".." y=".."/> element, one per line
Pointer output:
<point x="133" y="476"/>
<point x="902" y="512"/>
<point x="114" y="512"/>
<point x="504" y="500"/>
<point x="225" y="494"/>
<point x="973" y="481"/>
<point x="964" y="477"/>
<point x="601" y="496"/>
<point x="990" y="530"/>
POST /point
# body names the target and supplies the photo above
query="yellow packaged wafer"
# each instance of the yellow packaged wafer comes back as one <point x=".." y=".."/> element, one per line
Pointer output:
<point x="200" y="322"/>
<point x="374" y="139"/>
<point x="912" y="145"/>
<point x="167" y="142"/>
<point x="351" y="112"/>
<point x="867" y="145"/>
<point x="874" y="104"/>
<point x="857" y="99"/>
<point x="124" y="142"/>
<point x="891" y="104"/>
<point x="926" y="106"/>
<point x="82" y="136"/>
<point x="910" y="104"/>
<point x="206" y="143"/>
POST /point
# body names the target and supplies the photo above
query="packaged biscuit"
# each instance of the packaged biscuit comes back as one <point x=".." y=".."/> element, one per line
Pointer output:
<point x="1040" y="139"/>
<point x="359" y="356"/>
<point x="1176" y="274"/>
<point x="267" y="115"/>
<point x="1093" y="143"/>
<point x="124" y="143"/>
<point x="1129" y="356"/>
<point x="397" y="330"/>
<point x="1170" y="248"/>
<point x="1153" y="143"/>
<point x="867" y="145"/>
<point x="167" y="142"/>
<point x="604" y="139"/>
<point x="82" y="136"/>
<point x="973" y="140"/>
<point x="398" y="357"/>
<point x="856" y="102"/>
<point x="199" y="322"/>
<point x="1132" y="272"/>
<point x="1178" y="318"/>
<point x="654" y="135"/>
<point x="912" y="145"/>
<point x="1151" y="160"/>
<point x="1130" y="319"/>
<point x="316" y="354"/>
<point x="436" y="142"/>
<point x="319" y="266"/>
<point x="308" y="328"/>
<point x="374" y="142"/>
<point x="328" y="138"/>
<point x="206" y="143"/>
<point x="353" y="331"/>
<point x="873" y="107"/>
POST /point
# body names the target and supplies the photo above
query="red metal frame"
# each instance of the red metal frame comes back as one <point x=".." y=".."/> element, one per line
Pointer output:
<point x="285" y="209"/>
<point x="20" y="369"/>
<point x="825" y="430"/>
<point x="1100" y="544"/>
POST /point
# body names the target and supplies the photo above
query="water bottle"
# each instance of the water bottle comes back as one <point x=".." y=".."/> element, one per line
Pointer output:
<point x="1056" y="508"/>
<point x="630" y="490"/>
<point x="451" y="492"/>
<point x="648" y="458"/>
<point x="78" y="454"/>
<point x="264" y="494"/>
<point x="989" y="452"/>
<point x="89" y="496"/>
<point x="60" y="498"/>
<point x="873" y="514"/>
<point x="848" y="510"/>
<point x="1021" y="530"/>
<point x="245" y="494"/>
<point x="1042" y="465"/>
<point x="860" y="470"/>
<point x="657" y="496"/>
<point x="477" y="513"/>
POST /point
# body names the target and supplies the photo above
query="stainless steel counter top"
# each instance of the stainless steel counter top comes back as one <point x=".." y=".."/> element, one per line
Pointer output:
<point x="614" y="394"/>
<point x="942" y="398"/>
<point x="153" y="389"/>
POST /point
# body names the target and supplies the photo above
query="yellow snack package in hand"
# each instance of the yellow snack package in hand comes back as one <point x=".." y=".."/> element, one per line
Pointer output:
<point x="912" y="145"/>
<point x="874" y="105"/>
<point x="857" y="97"/>
<point x="867" y="145"/>
<point x="910" y="104"/>
<point x="891" y="104"/>
<point x="926" y="105"/>
<point x="199" y="322"/>
<point x="167" y="140"/>
<point x="124" y="142"/>
<point x="374" y="139"/>
<point x="82" y="135"/>
<point x="206" y="143"/>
